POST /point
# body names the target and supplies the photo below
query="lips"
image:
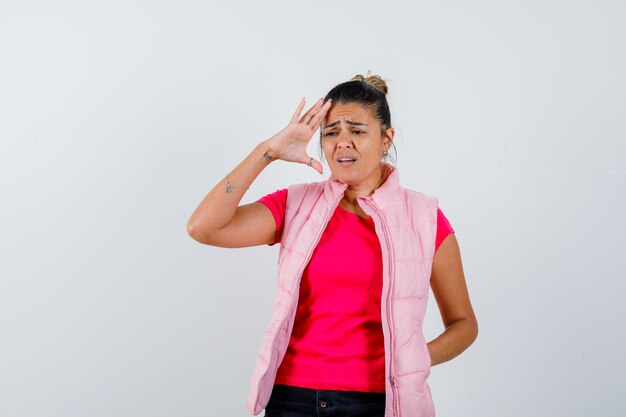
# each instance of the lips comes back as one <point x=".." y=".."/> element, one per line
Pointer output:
<point x="345" y="158"/>
<point x="346" y="162"/>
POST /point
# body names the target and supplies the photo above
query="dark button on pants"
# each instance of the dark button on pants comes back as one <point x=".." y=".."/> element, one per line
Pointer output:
<point x="288" y="401"/>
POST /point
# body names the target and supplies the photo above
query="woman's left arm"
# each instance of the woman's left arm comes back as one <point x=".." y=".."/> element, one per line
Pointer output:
<point x="450" y="290"/>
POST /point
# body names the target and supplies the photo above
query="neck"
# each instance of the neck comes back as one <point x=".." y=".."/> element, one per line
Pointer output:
<point x="354" y="191"/>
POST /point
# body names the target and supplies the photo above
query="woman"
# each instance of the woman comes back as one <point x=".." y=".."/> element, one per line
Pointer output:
<point x="358" y="256"/>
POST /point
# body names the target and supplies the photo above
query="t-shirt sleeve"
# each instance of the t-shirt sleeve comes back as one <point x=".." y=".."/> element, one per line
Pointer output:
<point x="276" y="202"/>
<point x="443" y="228"/>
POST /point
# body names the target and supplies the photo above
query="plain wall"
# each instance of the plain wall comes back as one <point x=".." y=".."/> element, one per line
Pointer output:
<point x="117" y="117"/>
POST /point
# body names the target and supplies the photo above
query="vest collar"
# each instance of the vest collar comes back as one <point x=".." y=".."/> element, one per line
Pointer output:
<point x="388" y="193"/>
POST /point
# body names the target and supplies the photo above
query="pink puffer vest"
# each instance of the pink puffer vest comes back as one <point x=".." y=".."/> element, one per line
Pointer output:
<point x="406" y="224"/>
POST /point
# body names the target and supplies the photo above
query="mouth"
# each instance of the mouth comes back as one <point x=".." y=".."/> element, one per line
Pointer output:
<point x="346" y="161"/>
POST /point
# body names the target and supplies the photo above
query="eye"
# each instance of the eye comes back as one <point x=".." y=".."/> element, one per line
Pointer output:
<point x="329" y="133"/>
<point x="357" y="132"/>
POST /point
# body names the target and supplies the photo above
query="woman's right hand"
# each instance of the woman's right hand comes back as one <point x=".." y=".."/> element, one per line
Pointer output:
<point x="290" y="143"/>
<point x="219" y="220"/>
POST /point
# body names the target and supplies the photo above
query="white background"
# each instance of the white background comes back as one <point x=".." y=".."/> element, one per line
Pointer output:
<point x="117" y="117"/>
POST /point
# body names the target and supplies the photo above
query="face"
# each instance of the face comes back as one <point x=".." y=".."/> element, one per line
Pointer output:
<point x="351" y="131"/>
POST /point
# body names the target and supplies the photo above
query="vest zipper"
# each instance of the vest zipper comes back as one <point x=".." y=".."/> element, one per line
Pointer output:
<point x="392" y="379"/>
<point x="305" y="263"/>
<point x="395" y="392"/>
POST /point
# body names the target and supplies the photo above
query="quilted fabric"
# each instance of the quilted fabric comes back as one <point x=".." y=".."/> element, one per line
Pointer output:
<point x="406" y="224"/>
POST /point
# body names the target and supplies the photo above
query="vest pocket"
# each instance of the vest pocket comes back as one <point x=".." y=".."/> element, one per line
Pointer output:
<point x="425" y="360"/>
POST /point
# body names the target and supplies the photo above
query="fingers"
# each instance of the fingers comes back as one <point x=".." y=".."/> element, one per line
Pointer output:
<point x="314" y="163"/>
<point x="314" y="116"/>
<point x="319" y="116"/>
<point x="296" y="114"/>
<point x="309" y="114"/>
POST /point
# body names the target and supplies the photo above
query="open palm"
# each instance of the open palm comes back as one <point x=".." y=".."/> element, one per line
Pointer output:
<point x="290" y="143"/>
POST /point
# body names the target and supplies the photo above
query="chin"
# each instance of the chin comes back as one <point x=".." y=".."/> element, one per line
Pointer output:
<point x="346" y="178"/>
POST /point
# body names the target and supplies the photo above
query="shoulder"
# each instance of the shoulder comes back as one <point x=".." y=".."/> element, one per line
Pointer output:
<point x="307" y="185"/>
<point x="417" y="197"/>
<point x="276" y="199"/>
<point x="296" y="192"/>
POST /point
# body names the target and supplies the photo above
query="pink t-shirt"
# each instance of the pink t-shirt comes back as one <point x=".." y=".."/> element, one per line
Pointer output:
<point x="337" y="339"/>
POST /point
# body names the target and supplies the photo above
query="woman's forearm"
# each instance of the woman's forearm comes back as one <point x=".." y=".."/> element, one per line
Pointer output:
<point x="453" y="341"/>
<point x="218" y="208"/>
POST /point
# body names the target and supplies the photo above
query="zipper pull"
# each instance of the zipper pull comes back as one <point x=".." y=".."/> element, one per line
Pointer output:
<point x="392" y="380"/>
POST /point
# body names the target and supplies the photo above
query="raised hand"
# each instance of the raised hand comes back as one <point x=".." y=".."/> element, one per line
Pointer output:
<point x="290" y="143"/>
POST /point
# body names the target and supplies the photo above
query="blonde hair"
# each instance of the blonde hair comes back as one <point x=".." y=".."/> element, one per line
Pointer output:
<point x="374" y="80"/>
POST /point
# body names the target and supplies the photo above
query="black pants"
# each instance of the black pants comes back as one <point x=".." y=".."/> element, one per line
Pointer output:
<point x="288" y="401"/>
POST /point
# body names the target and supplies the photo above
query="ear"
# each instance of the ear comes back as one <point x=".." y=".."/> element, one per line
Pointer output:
<point x="389" y="135"/>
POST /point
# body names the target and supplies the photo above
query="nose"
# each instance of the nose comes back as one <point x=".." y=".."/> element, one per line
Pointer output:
<point x="344" y="140"/>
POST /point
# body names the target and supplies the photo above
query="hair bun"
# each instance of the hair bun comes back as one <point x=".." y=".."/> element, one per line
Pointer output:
<point x="374" y="80"/>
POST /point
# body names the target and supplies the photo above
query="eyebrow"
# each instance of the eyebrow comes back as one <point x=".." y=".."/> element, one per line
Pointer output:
<point x="350" y="122"/>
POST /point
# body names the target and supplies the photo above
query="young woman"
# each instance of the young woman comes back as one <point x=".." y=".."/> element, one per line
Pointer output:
<point x="358" y="255"/>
